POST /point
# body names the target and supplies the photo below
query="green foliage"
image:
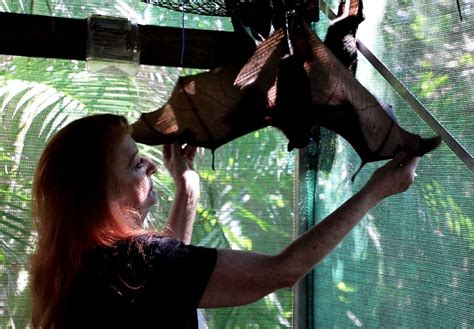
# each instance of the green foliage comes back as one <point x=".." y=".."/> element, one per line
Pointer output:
<point x="38" y="97"/>
<point x="417" y="27"/>
<point x="450" y="211"/>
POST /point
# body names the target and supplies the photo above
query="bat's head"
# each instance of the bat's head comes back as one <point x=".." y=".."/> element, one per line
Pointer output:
<point x="298" y="133"/>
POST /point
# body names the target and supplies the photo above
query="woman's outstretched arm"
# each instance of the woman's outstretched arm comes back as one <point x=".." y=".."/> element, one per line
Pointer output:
<point x="244" y="277"/>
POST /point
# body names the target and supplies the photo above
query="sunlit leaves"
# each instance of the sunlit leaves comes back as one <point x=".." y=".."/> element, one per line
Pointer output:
<point x="30" y="113"/>
<point x="248" y="215"/>
<point x="429" y="83"/>
<point x="450" y="216"/>
<point x="417" y="26"/>
<point x="344" y="287"/>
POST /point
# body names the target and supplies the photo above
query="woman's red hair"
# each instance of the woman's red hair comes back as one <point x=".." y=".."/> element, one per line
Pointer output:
<point x="70" y="208"/>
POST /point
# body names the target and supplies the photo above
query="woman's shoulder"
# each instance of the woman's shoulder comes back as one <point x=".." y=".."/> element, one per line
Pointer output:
<point x="150" y="244"/>
<point x="138" y="248"/>
<point x="147" y="252"/>
<point x="157" y="248"/>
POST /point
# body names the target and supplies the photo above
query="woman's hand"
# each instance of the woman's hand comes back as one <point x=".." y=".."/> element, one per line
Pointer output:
<point x="394" y="177"/>
<point x="179" y="161"/>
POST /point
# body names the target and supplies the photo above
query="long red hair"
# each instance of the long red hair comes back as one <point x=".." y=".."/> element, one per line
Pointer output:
<point x="70" y="208"/>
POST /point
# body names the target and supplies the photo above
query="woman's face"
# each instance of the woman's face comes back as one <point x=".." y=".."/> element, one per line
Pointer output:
<point x="132" y="188"/>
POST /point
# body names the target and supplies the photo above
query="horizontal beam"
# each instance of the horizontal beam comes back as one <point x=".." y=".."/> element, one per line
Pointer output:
<point x="42" y="36"/>
<point x="66" y="38"/>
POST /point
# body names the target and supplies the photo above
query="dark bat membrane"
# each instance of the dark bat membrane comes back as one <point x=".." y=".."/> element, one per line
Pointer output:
<point x="290" y="90"/>
<point x="209" y="109"/>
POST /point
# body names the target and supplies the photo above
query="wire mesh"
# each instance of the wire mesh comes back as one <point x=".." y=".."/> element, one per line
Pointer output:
<point x="200" y="7"/>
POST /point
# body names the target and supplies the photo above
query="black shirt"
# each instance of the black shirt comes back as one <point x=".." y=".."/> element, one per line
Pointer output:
<point x="144" y="282"/>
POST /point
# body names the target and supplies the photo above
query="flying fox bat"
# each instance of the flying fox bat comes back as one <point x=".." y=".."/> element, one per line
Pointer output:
<point x="291" y="90"/>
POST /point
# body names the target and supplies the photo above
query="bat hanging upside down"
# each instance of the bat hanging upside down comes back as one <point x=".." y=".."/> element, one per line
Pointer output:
<point x="292" y="88"/>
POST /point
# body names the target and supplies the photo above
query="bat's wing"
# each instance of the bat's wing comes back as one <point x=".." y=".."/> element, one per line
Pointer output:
<point x="215" y="107"/>
<point x="379" y="135"/>
<point x="262" y="68"/>
<point x="328" y="95"/>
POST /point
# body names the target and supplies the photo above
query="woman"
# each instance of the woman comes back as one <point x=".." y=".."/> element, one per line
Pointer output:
<point x="96" y="267"/>
<point x="92" y="190"/>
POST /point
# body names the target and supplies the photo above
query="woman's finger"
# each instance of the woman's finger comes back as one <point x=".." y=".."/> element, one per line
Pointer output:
<point x="190" y="152"/>
<point x="400" y="159"/>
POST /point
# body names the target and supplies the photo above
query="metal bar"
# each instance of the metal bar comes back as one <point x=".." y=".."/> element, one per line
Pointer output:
<point x="412" y="101"/>
<point x="327" y="10"/>
<point x="303" y="302"/>
<point x="424" y="114"/>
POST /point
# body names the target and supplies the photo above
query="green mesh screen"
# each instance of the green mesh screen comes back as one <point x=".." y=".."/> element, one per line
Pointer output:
<point x="409" y="264"/>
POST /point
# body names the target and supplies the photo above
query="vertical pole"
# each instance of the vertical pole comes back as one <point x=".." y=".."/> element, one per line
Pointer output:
<point x="305" y="184"/>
